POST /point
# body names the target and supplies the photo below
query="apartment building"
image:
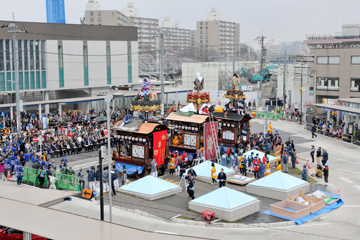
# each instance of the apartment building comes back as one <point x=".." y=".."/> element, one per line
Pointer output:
<point x="95" y="16"/>
<point x="214" y="37"/>
<point x="147" y="28"/>
<point x="337" y="63"/>
<point x="178" y="39"/>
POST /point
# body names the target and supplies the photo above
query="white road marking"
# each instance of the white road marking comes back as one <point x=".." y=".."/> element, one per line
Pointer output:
<point x="346" y="179"/>
<point x="351" y="206"/>
<point x="344" y="170"/>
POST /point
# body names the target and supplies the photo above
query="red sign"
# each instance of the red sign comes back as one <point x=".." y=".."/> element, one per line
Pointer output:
<point x="210" y="136"/>
<point x="35" y="139"/>
<point x="159" y="146"/>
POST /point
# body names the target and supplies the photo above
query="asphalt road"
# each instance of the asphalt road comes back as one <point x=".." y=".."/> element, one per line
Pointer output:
<point x="343" y="223"/>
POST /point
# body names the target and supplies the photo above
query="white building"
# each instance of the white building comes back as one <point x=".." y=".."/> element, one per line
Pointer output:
<point x="68" y="60"/>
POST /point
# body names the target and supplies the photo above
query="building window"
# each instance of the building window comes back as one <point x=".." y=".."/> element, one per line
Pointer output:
<point x="328" y="60"/>
<point x="355" y="85"/>
<point x="206" y="23"/>
<point x="200" y="41"/>
<point x="200" y="28"/>
<point x="99" y="19"/>
<point x="99" y="13"/>
<point x="91" y="13"/>
<point x="91" y="19"/>
<point x="200" y="23"/>
<point x="355" y="60"/>
<point x="327" y="84"/>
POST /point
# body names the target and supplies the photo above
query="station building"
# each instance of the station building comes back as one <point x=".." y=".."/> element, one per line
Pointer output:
<point x="58" y="61"/>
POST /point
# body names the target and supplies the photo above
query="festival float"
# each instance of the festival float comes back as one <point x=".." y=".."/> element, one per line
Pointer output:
<point x="139" y="141"/>
<point x="146" y="101"/>
<point x="191" y="132"/>
<point x="234" y="121"/>
<point x="197" y="97"/>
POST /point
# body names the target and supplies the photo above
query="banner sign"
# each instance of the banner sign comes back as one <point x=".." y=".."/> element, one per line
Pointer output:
<point x="159" y="146"/>
<point x="210" y="150"/>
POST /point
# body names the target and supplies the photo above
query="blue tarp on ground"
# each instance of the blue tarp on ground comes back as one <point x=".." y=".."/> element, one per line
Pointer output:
<point x="131" y="169"/>
<point x="328" y="208"/>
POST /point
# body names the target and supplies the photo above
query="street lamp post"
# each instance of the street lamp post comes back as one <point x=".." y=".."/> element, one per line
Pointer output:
<point x="108" y="99"/>
<point x="14" y="30"/>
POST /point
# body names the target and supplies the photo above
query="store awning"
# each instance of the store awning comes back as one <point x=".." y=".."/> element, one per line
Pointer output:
<point x="339" y="108"/>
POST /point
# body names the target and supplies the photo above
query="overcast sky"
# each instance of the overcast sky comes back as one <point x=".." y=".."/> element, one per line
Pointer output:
<point x="281" y="20"/>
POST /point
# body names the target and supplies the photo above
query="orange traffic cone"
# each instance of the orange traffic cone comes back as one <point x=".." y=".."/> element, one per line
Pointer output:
<point x="8" y="175"/>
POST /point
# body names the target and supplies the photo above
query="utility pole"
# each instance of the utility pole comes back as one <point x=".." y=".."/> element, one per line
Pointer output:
<point x="261" y="42"/>
<point x="14" y="30"/>
<point x="284" y="82"/>
<point x="301" y="87"/>
<point x="108" y="99"/>
<point x="234" y="51"/>
<point x="161" y="35"/>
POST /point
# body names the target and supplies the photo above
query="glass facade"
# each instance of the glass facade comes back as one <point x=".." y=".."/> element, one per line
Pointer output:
<point x="32" y="65"/>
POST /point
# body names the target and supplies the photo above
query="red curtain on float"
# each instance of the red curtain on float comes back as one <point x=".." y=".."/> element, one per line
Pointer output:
<point x="159" y="146"/>
<point x="209" y="148"/>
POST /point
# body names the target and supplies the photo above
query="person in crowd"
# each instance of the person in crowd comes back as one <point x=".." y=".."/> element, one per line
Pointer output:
<point x="192" y="172"/>
<point x="326" y="172"/>
<point x="191" y="186"/>
<point x="80" y="175"/>
<point x="113" y="185"/>
<point x="293" y="158"/>
<point x="325" y="157"/>
<point x="313" y="131"/>
<point x="262" y="170"/>
<point x="116" y="176"/>
<point x="285" y="161"/>
<point x="182" y="167"/>
<point x="172" y="164"/>
<point x="41" y="176"/>
<point x="97" y="177"/>
<point x="213" y="174"/>
<point x="124" y="175"/>
<point x="222" y="178"/>
<point x="91" y="178"/>
<point x="106" y="179"/>
<point x="318" y="156"/>
<point x="153" y="164"/>
<point x="312" y="153"/>
<point x="304" y="175"/>
<point x="267" y="168"/>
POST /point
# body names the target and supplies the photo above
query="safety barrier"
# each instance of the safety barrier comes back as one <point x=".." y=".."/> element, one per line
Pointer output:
<point x="64" y="181"/>
<point x="269" y="115"/>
